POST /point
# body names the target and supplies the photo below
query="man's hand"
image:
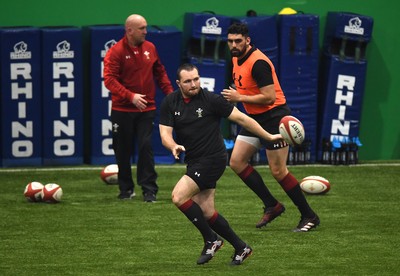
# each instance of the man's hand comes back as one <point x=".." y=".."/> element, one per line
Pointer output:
<point x="275" y="137"/>
<point x="139" y="101"/>
<point x="177" y="150"/>
<point x="231" y="95"/>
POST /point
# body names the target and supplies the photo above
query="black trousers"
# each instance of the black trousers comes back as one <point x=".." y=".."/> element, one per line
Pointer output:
<point x="131" y="130"/>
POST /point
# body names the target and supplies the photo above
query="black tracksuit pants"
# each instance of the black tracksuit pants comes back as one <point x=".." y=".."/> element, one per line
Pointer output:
<point x="131" y="131"/>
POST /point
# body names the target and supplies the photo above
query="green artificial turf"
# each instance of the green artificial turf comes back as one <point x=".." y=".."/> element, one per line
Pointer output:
<point x="91" y="232"/>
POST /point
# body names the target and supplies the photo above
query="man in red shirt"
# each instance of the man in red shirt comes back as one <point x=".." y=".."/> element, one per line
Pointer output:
<point x="131" y="68"/>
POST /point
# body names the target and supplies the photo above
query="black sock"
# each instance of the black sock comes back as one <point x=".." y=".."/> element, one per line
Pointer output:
<point x="255" y="182"/>
<point x="221" y="226"/>
<point x="194" y="213"/>
<point x="292" y="188"/>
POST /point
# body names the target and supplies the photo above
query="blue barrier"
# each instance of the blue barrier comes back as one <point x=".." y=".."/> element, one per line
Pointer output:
<point x="299" y="64"/>
<point x="168" y="40"/>
<point x="62" y="95"/>
<point x="344" y="69"/>
<point x="343" y="100"/>
<point x="101" y="39"/>
<point x="21" y="97"/>
<point x="263" y="31"/>
<point x="206" y="25"/>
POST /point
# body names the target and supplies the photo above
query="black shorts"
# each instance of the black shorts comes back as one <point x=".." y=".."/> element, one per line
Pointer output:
<point x="206" y="171"/>
<point x="270" y="122"/>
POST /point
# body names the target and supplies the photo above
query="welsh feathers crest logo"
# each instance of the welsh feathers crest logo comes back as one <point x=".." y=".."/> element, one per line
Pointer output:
<point x="211" y="26"/>
<point x="199" y="112"/>
<point x="354" y="26"/>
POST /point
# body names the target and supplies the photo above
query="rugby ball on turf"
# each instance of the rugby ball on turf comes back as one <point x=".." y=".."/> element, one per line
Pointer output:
<point x="52" y="193"/>
<point x="109" y="174"/>
<point x="315" y="185"/>
<point x="33" y="191"/>
<point x="292" y="130"/>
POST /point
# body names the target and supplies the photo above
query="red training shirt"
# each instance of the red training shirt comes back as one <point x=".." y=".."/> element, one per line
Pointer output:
<point x="129" y="70"/>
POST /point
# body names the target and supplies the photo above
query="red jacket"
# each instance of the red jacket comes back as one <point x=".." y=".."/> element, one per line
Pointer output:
<point x="129" y="70"/>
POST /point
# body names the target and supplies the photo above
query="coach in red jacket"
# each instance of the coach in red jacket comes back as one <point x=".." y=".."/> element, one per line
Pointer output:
<point x="131" y="67"/>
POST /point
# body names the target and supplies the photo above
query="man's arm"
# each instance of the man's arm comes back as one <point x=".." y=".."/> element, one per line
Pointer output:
<point x="168" y="141"/>
<point x="267" y="96"/>
<point x="111" y="78"/>
<point x="112" y="83"/>
<point x="251" y="125"/>
<point x="262" y="75"/>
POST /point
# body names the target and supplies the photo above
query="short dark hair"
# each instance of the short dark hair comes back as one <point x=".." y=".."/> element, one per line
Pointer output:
<point x="239" y="28"/>
<point x="186" y="67"/>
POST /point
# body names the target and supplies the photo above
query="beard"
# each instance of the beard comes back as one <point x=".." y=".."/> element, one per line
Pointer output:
<point x="191" y="92"/>
<point x="238" y="53"/>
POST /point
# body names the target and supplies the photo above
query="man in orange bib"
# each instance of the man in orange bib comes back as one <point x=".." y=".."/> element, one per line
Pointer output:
<point x="257" y="88"/>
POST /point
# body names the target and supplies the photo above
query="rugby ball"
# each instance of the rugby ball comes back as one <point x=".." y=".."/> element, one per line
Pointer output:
<point x="292" y="130"/>
<point x="52" y="193"/>
<point x="33" y="191"/>
<point x="315" y="185"/>
<point x="109" y="174"/>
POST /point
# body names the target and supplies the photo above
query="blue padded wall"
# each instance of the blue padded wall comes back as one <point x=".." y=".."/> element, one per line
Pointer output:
<point x="343" y="80"/>
<point x="20" y="97"/>
<point x="298" y="75"/>
<point x="205" y="38"/>
<point x="263" y="31"/>
<point x="62" y="69"/>
<point x="167" y="40"/>
<point x="102" y="38"/>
